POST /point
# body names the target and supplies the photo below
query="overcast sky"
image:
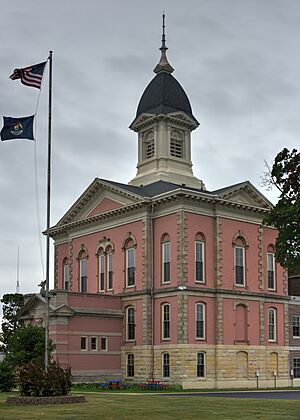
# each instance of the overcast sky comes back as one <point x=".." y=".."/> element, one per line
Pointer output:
<point x="238" y="61"/>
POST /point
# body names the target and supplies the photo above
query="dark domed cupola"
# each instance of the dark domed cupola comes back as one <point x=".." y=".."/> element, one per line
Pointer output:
<point x="164" y="121"/>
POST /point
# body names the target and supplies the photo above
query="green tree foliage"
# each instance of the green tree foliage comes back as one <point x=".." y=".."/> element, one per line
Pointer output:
<point x="26" y="345"/>
<point x="7" y="377"/>
<point x="12" y="303"/>
<point x="285" y="216"/>
<point x="35" y="381"/>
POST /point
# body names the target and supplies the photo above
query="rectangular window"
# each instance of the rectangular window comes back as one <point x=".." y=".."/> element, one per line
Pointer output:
<point x="200" y="321"/>
<point x="94" y="343"/>
<point x="66" y="276"/>
<point x="130" y="323"/>
<point x="271" y="271"/>
<point x="83" y="275"/>
<point x="104" y="343"/>
<point x="166" y="365"/>
<point x="83" y="343"/>
<point x="199" y="261"/>
<point x="296" y="367"/>
<point x="296" y="326"/>
<point x="201" y="365"/>
<point x="130" y="365"/>
<point x="166" y="322"/>
<point x="130" y="272"/>
<point x="239" y="262"/>
<point x="109" y="272"/>
<point x="272" y="324"/>
<point x="166" y="262"/>
<point x="101" y="273"/>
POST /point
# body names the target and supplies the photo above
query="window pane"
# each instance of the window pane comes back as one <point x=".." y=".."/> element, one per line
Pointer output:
<point x="83" y="343"/>
<point x="130" y="365"/>
<point x="200" y="365"/>
<point x="166" y="321"/>
<point x="271" y="272"/>
<point x="272" y="324"/>
<point x="103" y="343"/>
<point x="296" y="326"/>
<point x="130" y="267"/>
<point x="166" y="365"/>
<point x="93" y="343"/>
<point x="66" y="276"/>
<point x="130" y="324"/>
<point x="200" y="321"/>
<point x="296" y="367"/>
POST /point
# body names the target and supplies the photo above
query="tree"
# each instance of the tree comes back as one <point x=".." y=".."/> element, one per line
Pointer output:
<point x="27" y="344"/>
<point x="12" y="303"/>
<point x="285" y="216"/>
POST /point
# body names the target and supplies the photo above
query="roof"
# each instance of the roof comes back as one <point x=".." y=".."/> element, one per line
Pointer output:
<point x="151" y="190"/>
<point x="164" y="95"/>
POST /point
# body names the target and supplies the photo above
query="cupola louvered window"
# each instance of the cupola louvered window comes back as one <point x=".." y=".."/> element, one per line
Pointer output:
<point x="176" y="144"/>
<point x="149" y="144"/>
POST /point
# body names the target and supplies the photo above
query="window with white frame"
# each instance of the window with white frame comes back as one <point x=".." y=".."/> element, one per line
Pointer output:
<point x="165" y="317"/>
<point x="165" y="365"/>
<point x="272" y="324"/>
<point x="94" y="343"/>
<point x="83" y="343"/>
<point x="166" y="259"/>
<point x="199" y="261"/>
<point x="271" y="270"/>
<point x="296" y="326"/>
<point x="66" y="274"/>
<point x="104" y="343"/>
<point x="296" y="367"/>
<point x="130" y="365"/>
<point x="101" y="259"/>
<point x="200" y="321"/>
<point x="239" y="264"/>
<point x="109" y="271"/>
<point x="83" y="274"/>
<point x="130" y="323"/>
<point x="130" y="267"/>
<point x="201" y="364"/>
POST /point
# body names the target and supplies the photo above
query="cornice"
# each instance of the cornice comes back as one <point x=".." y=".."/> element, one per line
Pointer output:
<point x="177" y="117"/>
<point x="217" y="203"/>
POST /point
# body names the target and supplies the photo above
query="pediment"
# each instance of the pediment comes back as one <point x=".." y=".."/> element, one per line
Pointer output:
<point x="245" y="193"/>
<point x="63" y="310"/>
<point x="101" y="196"/>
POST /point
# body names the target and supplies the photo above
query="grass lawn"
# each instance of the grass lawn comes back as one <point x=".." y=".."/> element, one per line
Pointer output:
<point x="107" y="406"/>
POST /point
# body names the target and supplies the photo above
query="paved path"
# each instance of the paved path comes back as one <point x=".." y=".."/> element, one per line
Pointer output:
<point x="277" y="395"/>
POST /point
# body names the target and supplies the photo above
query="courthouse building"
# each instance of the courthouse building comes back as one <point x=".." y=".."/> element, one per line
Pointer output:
<point x="161" y="279"/>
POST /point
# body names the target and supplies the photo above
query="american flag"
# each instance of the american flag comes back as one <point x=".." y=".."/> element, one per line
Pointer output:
<point x="30" y="76"/>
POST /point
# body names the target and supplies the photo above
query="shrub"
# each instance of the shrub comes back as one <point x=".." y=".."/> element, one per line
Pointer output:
<point x="35" y="381"/>
<point x="7" y="377"/>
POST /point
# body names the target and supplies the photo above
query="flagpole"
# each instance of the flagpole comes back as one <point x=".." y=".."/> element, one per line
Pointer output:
<point x="48" y="215"/>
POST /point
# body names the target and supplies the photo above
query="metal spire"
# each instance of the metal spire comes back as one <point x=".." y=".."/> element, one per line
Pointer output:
<point x="163" y="64"/>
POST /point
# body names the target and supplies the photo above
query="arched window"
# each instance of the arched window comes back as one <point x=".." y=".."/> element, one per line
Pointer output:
<point x="201" y="364"/>
<point x="272" y="324"/>
<point x="66" y="274"/>
<point x="109" y="256"/>
<point x="271" y="268"/>
<point x="166" y="258"/>
<point x="130" y="365"/>
<point x="83" y="271"/>
<point x="239" y="247"/>
<point x="130" y="323"/>
<point x="176" y="144"/>
<point x="130" y="261"/>
<point x="165" y="365"/>
<point x="200" y="321"/>
<point x="149" y="144"/>
<point x="101" y="263"/>
<point x="165" y="321"/>
<point x="105" y="267"/>
<point x="199" y="258"/>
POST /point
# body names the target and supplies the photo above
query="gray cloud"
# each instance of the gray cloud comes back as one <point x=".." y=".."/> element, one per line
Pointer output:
<point x="237" y="61"/>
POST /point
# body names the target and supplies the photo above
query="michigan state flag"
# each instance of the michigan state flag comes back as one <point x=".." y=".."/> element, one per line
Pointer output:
<point x="17" y="128"/>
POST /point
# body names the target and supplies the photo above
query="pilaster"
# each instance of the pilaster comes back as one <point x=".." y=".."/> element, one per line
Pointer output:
<point x="261" y="264"/>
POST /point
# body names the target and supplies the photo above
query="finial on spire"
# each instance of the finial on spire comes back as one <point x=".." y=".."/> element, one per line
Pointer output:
<point x="163" y="64"/>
